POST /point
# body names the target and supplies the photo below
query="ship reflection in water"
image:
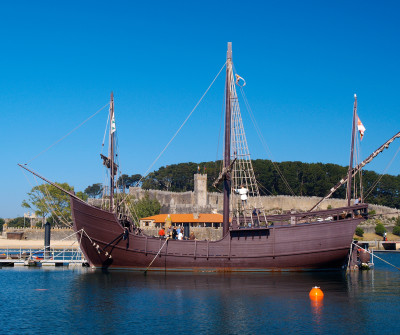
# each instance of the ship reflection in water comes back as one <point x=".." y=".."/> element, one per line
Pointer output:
<point x="240" y="303"/>
<point x="84" y="301"/>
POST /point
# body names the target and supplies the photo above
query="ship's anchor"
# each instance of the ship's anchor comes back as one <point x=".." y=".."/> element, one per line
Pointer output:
<point x="122" y="236"/>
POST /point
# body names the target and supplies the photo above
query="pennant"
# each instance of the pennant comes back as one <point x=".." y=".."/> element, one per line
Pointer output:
<point x="361" y="128"/>
<point x="238" y="78"/>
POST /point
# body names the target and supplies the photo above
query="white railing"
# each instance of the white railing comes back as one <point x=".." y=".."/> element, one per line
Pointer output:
<point x="53" y="255"/>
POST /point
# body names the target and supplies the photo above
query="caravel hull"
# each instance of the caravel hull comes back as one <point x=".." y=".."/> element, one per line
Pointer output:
<point x="317" y="245"/>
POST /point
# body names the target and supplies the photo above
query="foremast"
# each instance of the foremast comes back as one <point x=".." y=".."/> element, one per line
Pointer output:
<point x="109" y="161"/>
<point x="112" y="172"/>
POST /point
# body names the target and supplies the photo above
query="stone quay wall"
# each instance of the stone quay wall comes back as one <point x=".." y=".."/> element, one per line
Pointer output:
<point x="56" y="234"/>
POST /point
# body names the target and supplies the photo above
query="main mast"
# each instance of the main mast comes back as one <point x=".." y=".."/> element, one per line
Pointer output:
<point x="350" y="172"/>
<point x="112" y="130"/>
<point x="227" y="150"/>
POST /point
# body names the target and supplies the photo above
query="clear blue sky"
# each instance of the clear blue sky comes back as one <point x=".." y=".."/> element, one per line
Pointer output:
<point x="302" y="61"/>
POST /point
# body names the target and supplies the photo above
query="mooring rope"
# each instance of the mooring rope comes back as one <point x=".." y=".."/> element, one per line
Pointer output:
<point x="264" y="143"/>
<point x="156" y="255"/>
<point x="376" y="256"/>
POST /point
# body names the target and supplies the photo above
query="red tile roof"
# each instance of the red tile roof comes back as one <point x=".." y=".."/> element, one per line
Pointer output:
<point x="181" y="218"/>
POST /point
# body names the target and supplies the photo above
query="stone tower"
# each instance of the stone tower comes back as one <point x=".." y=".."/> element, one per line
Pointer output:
<point x="200" y="190"/>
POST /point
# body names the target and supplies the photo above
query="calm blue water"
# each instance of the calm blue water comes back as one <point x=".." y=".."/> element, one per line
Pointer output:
<point x="80" y="301"/>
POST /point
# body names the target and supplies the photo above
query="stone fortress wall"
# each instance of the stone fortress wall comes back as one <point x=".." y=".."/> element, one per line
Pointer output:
<point x="201" y="201"/>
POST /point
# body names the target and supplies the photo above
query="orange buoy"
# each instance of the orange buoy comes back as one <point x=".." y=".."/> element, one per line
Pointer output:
<point x="316" y="293"/>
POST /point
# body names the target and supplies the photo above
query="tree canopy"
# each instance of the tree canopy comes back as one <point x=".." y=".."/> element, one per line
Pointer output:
<point x="94" y="190"/>
<point x="126" y="181"/>
<point x="145" y="207"/>
<point x="18" y="222"/>
<point x="305" y="179"/>
<point x="50" y="202"/>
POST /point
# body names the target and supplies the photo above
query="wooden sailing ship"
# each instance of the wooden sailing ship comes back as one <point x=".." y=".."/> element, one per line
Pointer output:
<point x="250" y="242"/>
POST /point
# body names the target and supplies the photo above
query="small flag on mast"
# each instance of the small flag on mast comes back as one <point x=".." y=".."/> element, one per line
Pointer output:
<point x="361" y="128"/>
<point x="240" y="81"/>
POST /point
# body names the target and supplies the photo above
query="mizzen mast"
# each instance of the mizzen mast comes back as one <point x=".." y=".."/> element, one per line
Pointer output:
<point x="350" y="172"/>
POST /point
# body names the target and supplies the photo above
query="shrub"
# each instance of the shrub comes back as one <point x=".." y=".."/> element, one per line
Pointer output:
<point x="380" y="229"/>
<point x="360" y="231"/>
<point x="398" y="221"/>
<point x="396" y="230"/>
<point x="373" y="212"/>
<point x="329" y="207"/>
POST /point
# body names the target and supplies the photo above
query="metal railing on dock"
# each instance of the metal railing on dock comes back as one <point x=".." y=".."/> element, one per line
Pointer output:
<point x="40" y="257"/>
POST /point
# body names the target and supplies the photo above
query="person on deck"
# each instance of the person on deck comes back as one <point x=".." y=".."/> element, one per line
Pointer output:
<point x="174" y="233"/>
<point x="242" y="191"/>
<point x="169" y="232"/>
<point x="191" y="236"/>
<point x="357" y="202"/>
<point x="161" y="232"/>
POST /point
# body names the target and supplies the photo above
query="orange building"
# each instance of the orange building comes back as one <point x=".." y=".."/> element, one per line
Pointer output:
<point x="194" y="220"/>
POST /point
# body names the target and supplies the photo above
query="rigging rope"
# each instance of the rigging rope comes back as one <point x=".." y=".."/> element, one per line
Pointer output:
<point x="48" y="148"/>
<point x="44" y="202"/>
<point x="51" y="208"/>
<point x="105" y="132"/>
<point x="184" y="122"/>
<point x="259" y="133"/>
<point x="56" y="208"/>
<point x="263" y="187"/>
<point x="219" y="133"/>
<point x="381" y="176"/>
<point x="176" y="133"/>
